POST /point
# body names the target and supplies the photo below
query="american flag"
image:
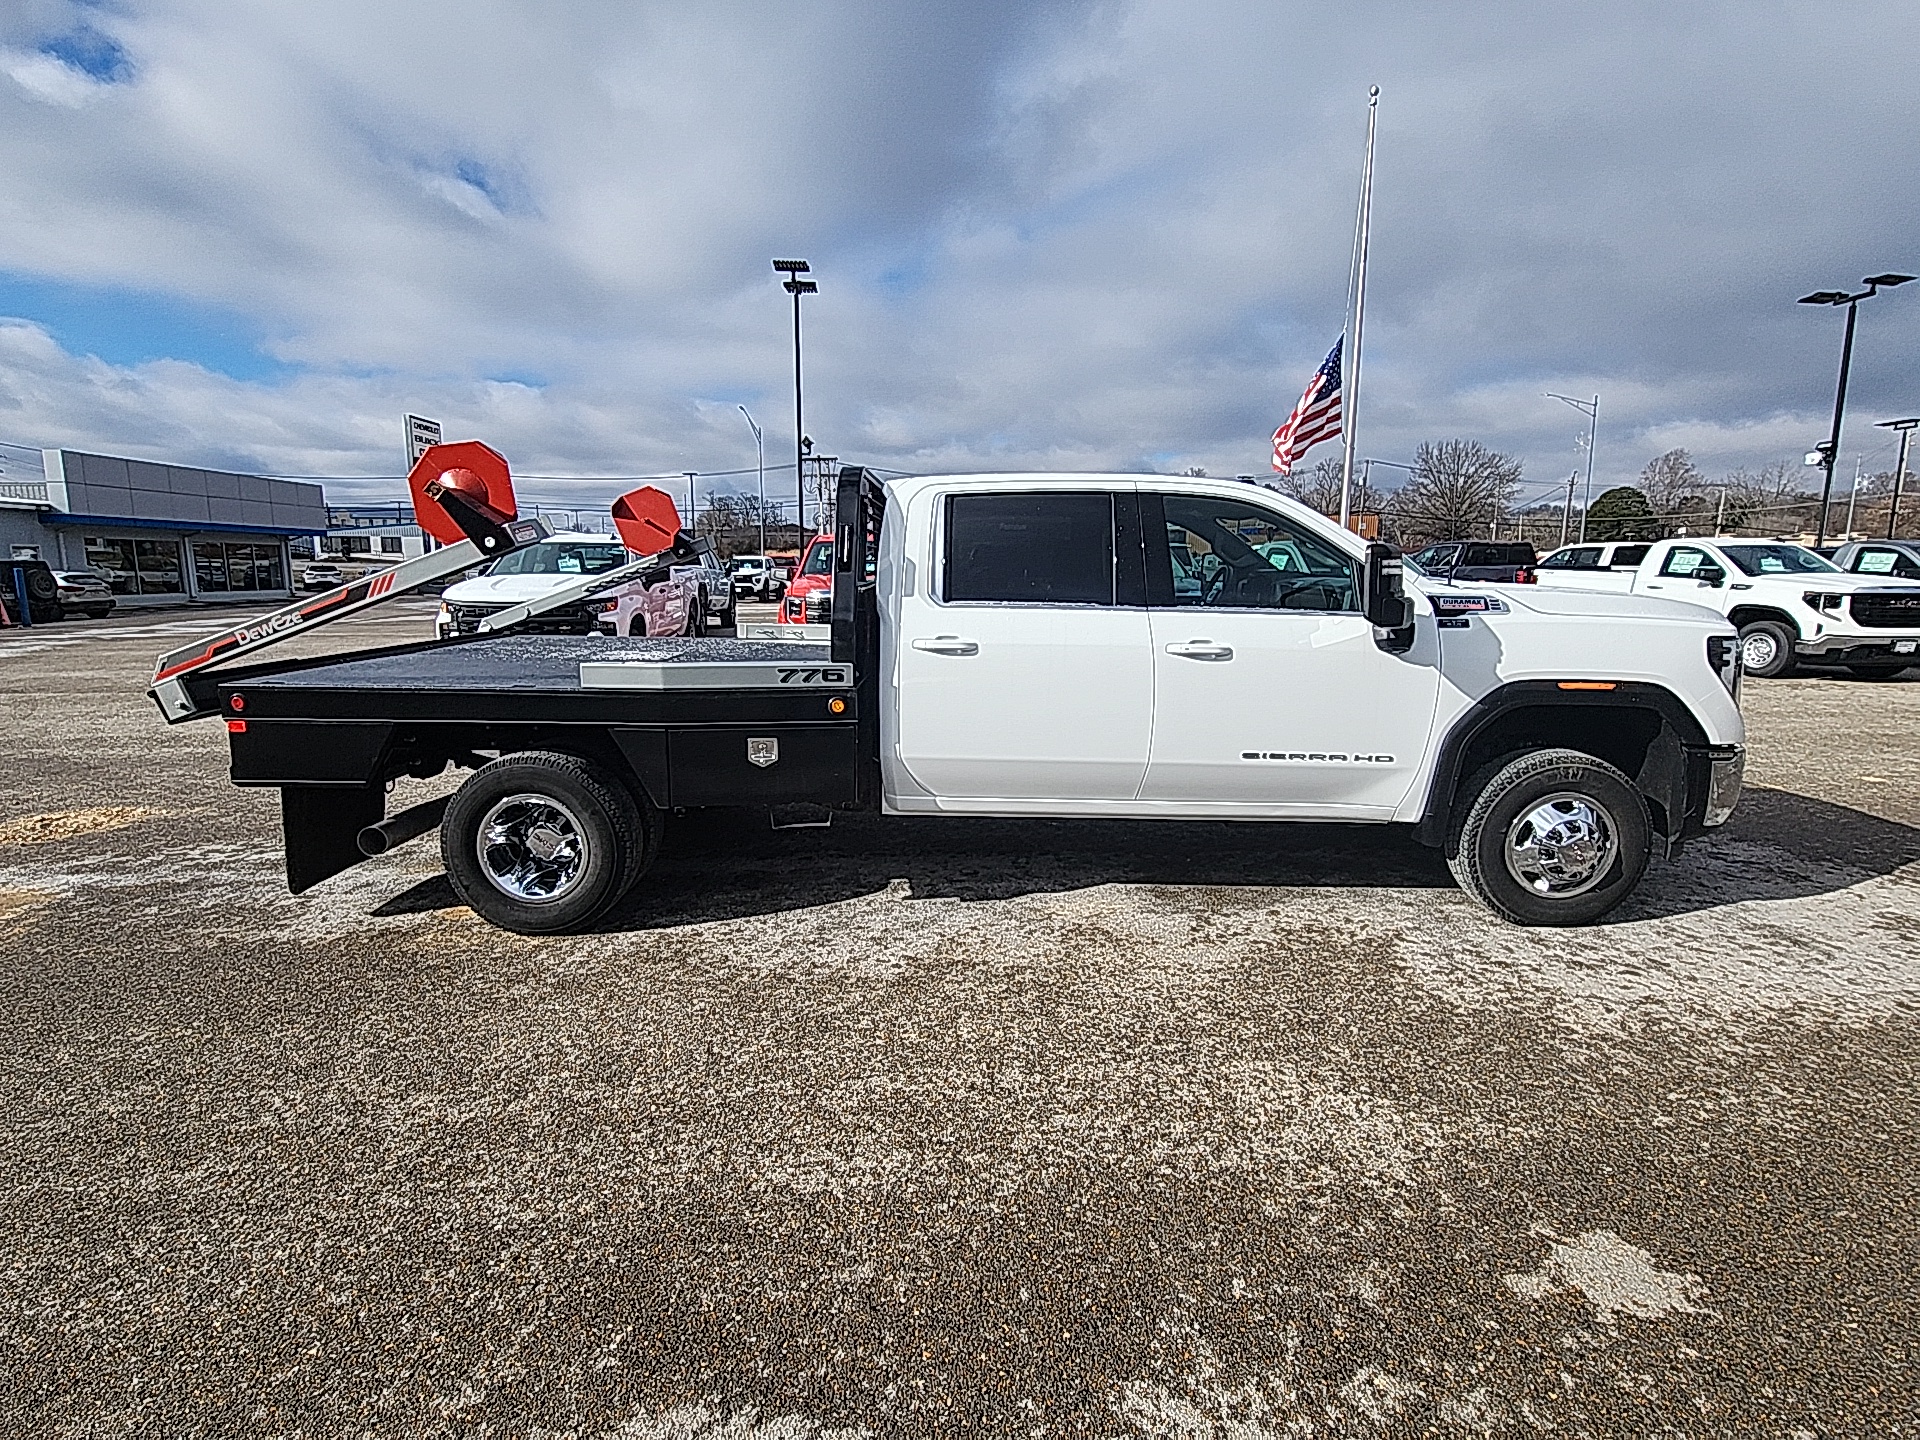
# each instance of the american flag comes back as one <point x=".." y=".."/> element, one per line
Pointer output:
<point x="1315" y="418"/>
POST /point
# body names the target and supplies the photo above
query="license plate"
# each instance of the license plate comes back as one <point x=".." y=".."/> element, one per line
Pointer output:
<point x="1905" y="647"/>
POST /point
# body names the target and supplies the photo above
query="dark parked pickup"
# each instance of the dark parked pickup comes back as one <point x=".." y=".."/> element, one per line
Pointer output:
<point x="1478" y="561"/>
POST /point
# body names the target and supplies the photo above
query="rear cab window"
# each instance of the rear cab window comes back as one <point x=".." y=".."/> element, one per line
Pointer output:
<point x="1042" y="548"/>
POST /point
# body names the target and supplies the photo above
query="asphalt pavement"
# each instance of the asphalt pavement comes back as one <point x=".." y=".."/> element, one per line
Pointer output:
<point x="969" y="1128"/>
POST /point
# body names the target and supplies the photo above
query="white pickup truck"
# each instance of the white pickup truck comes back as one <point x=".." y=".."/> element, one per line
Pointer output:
<point x="1091" y="646"/>
<point x="1786" y="601"/>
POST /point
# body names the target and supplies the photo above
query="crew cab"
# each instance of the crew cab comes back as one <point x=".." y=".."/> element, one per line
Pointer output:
<point x="1569" y="563"/>
<point x="1788" y="603"/>
<point x="1017" y="645"/>
<point x="1889" y="559"/>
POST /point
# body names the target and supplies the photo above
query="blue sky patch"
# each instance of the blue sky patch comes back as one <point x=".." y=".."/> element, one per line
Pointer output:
<point x="129" y="327"/>
<point x="85" y="49"/>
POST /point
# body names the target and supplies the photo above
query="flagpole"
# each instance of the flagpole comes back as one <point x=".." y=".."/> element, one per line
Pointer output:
<point x="1351" y="380"/>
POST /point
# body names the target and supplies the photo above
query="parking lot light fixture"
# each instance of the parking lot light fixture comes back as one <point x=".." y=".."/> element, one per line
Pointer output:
<point x="796" y="287"/>
<point x="760" y="453"/>
<point x="1830" y="451"/>
<point x="1905" y="429"/>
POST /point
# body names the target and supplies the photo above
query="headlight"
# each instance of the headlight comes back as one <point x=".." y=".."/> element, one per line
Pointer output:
<point x="445" y="617"/>
<point x="1821" y="600"/>
<point x="1723" y="656"/>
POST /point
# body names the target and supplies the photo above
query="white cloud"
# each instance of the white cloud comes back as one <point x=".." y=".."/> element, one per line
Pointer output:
<point x="1075" y="234"/>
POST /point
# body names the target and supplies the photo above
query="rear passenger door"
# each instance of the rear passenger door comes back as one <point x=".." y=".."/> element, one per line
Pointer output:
<point x="1024" y="662"/>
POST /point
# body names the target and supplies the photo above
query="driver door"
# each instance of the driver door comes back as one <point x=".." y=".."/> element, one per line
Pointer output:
<point x="1269" y="691"/>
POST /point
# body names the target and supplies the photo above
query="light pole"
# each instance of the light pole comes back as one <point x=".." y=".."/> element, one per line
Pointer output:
<point x="796" y="287"/>
<point x="1905" y="428"/>
<point x="760" y="450"/>
<point x="1829" y="451"/>
<point x="693" y="512"/>
<point x="1590" y="409"/>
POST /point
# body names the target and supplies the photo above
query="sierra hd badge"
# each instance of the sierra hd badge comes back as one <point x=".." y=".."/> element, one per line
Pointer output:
<point x="762" y="752"/>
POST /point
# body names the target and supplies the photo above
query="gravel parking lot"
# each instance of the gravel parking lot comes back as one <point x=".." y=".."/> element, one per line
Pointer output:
<point x="948" y="1128"/>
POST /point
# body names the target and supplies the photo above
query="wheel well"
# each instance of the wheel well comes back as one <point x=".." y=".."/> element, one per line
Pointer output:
<point x="1744" y="615"/>
<point x="1634" y="738"/>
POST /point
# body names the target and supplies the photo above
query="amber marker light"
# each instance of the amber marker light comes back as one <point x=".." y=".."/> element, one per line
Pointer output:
<point x="836" y="706"/>
<point x="1586" y="684"/>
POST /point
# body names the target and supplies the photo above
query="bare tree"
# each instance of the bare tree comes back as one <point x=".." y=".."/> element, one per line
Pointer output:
<point x="1320" y="488"/>
<point x="1459" y="490"/>
<point x="1676" y="491"/>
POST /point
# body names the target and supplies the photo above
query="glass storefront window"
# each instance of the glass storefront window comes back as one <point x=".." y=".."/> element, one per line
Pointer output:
<point x="158" y="564"/>
<point x="209" y="566"/>
<point x="113" y="559"/>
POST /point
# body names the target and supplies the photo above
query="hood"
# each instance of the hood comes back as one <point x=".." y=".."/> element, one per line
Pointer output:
<point x="801" y="584"/>
<point x="1602" y="604"/>
<point x="505" y="589"/>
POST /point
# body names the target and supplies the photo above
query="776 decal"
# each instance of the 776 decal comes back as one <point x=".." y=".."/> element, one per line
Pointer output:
<point x="796" y="676"/>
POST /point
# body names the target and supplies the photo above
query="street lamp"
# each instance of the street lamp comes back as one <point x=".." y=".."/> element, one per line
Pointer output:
<point x="1905" y="429"/>
<point x="1590" y="409"/>
<point x="1831" y="450"/>
<point x="796" y="287"/>
<point x="760" y="450"/>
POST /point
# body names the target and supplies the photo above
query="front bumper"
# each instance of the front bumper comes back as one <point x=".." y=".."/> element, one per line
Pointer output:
<point x="1858" y="647"/>
<point x="1715" y="774"/>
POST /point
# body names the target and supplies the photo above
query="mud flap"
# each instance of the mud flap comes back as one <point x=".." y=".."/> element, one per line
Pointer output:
<point x="321" y="826"/>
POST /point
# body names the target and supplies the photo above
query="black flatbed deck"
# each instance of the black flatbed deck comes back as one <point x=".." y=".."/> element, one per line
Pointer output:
<point x="523" y="662"/>
<point x="524" y="678"/>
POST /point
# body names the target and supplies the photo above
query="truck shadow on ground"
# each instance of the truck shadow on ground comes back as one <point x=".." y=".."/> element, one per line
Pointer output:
<point x="728" y="865"/>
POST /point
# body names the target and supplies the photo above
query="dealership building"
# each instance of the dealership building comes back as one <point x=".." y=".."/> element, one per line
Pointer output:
<point x="160" y="534"/>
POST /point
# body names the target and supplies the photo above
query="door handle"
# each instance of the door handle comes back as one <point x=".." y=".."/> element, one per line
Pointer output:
<point x="1201" y="650"/>
<point x="948" y="645"/>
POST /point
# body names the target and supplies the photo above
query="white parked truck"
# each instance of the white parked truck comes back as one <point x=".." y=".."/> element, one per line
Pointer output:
<point x="1787" y="602"/>
<point x="1020" y="645"/>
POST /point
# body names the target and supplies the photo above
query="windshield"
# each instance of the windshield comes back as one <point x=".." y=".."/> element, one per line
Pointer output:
<point x="743" y="563"/>
<point x="819" y="559"/>
<point x="560" y="557"/>
<point x="1777" y="560"/>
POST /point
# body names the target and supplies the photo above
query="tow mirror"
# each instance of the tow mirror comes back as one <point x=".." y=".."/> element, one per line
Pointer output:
<point x="1383" y="598"/>
<point x="1711" y="575"/>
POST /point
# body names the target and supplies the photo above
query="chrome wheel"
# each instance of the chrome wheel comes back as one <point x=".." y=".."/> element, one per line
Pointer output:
<point x="532" y="848"/>
<point x="1759" y="650"/>
<point x="1562" y="845"/>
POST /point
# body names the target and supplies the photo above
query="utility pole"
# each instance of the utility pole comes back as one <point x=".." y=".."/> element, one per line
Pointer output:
<point x="1720" y="513"/>
<point x="1566" y="512"/>
<point x="796" y="287"/>
<point x="1853" y="495"/>
<point x="1829" y="449"/>
<point x="1905" y="428"/>
<point x="1362" y="234"/>
<point x="693" y="511"/>
<point x="1590" y="409"/>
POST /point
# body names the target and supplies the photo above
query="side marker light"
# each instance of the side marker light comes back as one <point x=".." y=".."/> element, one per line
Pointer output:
<point x="237" y="703"/>
<point x="836" y="706"/>
<point x="236" y="727"/>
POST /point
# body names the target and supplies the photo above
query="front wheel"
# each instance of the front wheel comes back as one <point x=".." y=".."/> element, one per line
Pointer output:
<point x="541" y="843"/>
<point x="1766" y="649"/>
<point x="1555" y="837"/>
<point x="697" y="621"/>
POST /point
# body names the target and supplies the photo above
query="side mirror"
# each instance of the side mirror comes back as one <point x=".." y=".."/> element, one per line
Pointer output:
<point x="1711" y="575"/>
<point x="1383" y="599"/>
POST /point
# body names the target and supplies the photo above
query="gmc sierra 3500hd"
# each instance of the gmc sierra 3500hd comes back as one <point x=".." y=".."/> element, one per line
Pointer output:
<point x="1016" y="645"/>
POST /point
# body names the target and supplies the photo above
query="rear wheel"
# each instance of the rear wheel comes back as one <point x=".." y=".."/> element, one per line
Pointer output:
<point x="1554" y="837"/>
<point x="1766" y="649"/>
<point x="541" y="843"/>
<point x="697" y="621"/>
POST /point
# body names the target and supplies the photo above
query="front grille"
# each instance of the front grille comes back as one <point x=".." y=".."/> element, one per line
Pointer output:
<point x="1887" y="609"/>
<point x="570" y="620"/>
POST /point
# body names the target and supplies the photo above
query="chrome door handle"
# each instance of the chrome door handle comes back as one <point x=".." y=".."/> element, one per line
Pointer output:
<point x="948" y="645"/>
<point x="1201" y="650"/>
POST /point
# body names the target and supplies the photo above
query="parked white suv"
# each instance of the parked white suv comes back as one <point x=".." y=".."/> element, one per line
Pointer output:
<point x="1788" y="603"/>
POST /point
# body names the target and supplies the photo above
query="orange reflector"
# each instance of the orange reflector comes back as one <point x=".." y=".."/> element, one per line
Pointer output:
<point x="837" y="706"/>
<point x="236" y="727"/>
<point x="1586" y="684"/>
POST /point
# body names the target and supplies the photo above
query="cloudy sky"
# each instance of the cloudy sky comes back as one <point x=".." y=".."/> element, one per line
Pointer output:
<point x="1048" y="233"/>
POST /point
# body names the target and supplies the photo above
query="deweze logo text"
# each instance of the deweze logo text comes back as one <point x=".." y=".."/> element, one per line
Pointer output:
<point x="1332" y="757"/>
<point x="272" y="626"/>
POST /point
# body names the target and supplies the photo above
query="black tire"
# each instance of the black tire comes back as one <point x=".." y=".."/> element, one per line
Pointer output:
<point x="697" y="622"/>
<point x="1596" y="802"/>
<point x="578" y="832"/>
<point x="1877" y="672"/>
<point x="98" y="613"/>
<point x="1771" y="644"/>
<point x="730" y="617"/>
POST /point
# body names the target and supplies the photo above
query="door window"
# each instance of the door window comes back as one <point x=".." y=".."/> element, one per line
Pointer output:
<point x="1877" y="561"/>
<point x="1035" y="549"/>
<point x="1232" y="555"/>
<point x="1629" y="556"/>
<point x="1586" y="557"/>
<point x="1683" y="561"/>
